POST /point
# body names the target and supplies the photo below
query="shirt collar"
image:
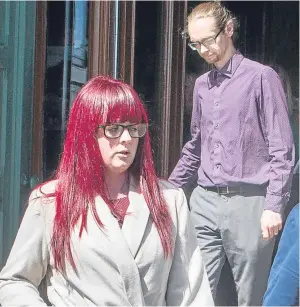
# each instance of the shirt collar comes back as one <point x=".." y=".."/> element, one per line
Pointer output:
<point x="227" y="70"/>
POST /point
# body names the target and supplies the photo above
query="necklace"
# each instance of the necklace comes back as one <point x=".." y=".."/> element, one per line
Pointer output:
<point x="118" y="206"/>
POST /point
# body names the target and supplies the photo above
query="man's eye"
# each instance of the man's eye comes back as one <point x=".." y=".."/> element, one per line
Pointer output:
<point x="209" y="41"/>
<point x="133" y="129"/>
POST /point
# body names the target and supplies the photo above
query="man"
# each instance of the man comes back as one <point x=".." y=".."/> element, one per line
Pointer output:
<point x="242" y="148"/>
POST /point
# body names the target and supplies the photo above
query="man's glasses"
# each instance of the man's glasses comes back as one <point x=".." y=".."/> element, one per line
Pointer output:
<point x="114" y="131"/>
<point x="207" y="42"/>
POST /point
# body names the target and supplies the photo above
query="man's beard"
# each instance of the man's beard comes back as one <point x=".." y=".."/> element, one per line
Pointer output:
<point x="212" y="59"/>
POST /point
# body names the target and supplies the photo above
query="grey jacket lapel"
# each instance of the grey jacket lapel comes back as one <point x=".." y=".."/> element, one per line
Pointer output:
<point x="136" y="220"/>
<point x="122" y="255"/>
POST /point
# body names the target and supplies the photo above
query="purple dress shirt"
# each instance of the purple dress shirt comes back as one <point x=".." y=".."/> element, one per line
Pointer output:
<point x="241" y="132"/>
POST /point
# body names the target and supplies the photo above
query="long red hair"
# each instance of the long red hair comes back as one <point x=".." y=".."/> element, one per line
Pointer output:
<point x="80" y="172"/>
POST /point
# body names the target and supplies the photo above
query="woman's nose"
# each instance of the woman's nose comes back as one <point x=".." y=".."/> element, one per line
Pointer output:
<point x="125" y="136"/>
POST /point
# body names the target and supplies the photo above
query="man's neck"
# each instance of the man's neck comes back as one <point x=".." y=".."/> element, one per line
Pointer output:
<point x="227" y="56"/>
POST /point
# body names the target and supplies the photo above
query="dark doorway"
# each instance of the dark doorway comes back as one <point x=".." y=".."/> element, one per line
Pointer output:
<point x="66" y="72"/>
<point x="146" y="61"/>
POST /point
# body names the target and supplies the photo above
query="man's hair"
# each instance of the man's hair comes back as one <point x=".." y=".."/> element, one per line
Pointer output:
<point x="219" y="12"/>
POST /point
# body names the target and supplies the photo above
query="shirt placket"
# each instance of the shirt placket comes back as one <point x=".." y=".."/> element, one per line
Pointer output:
<point x="216" y="153"/>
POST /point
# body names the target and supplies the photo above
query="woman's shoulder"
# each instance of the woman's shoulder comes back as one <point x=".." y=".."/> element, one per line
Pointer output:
<point x="174" y="196"/>
<point x="295" y="210"/>
<point x="42" y="198"/>
<point x="44" y="189"/>
<point x="168" y="187"/>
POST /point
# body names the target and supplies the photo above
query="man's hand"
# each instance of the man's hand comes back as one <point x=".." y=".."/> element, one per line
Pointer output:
<point x="271" y="224"/>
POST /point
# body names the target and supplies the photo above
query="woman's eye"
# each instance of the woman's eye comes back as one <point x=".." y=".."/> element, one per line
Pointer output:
<point x="113" y="129"/>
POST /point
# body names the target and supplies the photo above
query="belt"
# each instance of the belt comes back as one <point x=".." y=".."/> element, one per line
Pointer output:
<point x="225" y="190"/>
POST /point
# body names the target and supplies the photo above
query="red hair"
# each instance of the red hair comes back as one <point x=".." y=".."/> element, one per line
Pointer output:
<point x="80" y="172"/>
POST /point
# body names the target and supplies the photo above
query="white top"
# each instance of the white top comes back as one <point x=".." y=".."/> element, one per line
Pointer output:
<point x="115" y="266"/>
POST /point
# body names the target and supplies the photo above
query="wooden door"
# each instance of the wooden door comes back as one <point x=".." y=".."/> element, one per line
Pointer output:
<point x="17" y="28"/>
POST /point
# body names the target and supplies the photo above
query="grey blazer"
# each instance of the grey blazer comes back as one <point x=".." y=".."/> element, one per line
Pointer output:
<point x="115" y="266"/>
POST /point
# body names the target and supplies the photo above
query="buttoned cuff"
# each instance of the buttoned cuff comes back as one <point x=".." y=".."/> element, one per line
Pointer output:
<point x="276" y="203"/>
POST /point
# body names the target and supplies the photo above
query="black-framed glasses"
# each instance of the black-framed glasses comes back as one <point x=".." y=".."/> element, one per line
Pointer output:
<point x="114" y="131"/>
<point x="207" y="42"/>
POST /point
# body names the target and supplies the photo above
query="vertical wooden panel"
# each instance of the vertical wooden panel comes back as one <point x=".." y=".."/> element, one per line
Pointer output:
<point x="127" y="40"/>
<point x="39" y="82"/>
<point x="177" y="84"/>
<point x="164" y="92"/>
<point x="100" y="28"/>
<point x="171" y="85"/>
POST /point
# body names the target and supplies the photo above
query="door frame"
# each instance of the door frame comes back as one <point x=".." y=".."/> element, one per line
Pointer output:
<point x="39" y="92"/>
<point x="18" y="62"/>
<point x="171" y="80"/>
<point x="101" y="61"/>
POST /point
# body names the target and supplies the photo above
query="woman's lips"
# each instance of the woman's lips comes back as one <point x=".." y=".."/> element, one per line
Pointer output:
<point x="123" y="153"/>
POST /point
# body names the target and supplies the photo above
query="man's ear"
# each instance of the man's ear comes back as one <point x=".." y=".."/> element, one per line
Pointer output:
<point x="229" y="28"/>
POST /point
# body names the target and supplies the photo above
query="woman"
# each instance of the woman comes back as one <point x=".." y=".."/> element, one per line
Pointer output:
<point x="106" y="232"/>
<point x="283" y="284"/>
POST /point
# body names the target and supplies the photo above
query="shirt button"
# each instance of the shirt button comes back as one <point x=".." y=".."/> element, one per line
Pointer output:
<point x="216" y="125"/>
<point x="216" y="103"/>
<point x="216" y="145"/>
<point x="218" y="165"/>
